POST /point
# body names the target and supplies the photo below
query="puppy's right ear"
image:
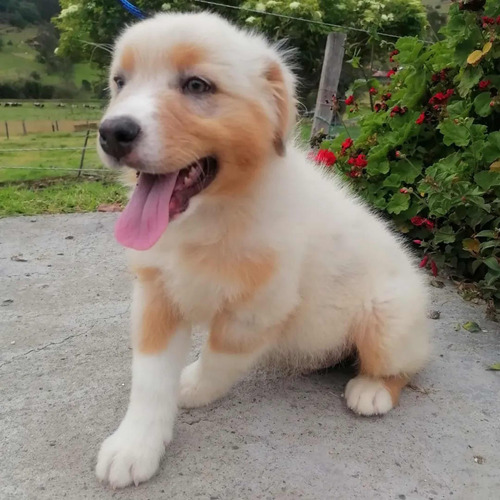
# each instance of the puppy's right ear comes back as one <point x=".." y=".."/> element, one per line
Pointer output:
<point x="283" y="105"/>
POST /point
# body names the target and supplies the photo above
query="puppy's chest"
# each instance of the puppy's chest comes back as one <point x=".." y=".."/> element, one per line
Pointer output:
<point x="198" y="288"/>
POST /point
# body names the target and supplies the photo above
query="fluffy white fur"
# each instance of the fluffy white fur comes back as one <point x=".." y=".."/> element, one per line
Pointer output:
<point x="336" y="262"/>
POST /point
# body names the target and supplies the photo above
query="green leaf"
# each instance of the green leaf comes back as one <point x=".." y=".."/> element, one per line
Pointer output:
<point x="482" y="104"/>
<point x="407" y="171"/>
<point x="492" y="263"/>
<point x="487" y="179"/>
<point x="409" y="48"/>
<point x="468" y="78"/>
<point x="392" y="181"/>
<point x="459" y="109"/>
<point x="455" y="133"/>
<point x="377" y="166"/>
<point x="472" y="327"/>
<point x="495" y="367"/>
<point x="486" y="234"/>
<point x="398" y="203"/>
<point x="444" y="234"/>
<point x="491" y="151"/>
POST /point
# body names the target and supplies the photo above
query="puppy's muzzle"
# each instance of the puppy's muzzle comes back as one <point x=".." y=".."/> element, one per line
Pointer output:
<point x="117" y="136"/>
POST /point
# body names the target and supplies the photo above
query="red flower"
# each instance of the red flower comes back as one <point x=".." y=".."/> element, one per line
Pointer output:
<point x="360" y="161"/>
<point x="436" y="77"/>
<point x="373" y="91"/>
<point x="354" y="173"/>
<point x="398" y="154"/>
<point x="487" y="20"/>
<point x="386" y="96"/>
<point x="429" y="225"/>
<point x="403" y="190"/>
<point x="417" y="220"/>
<point x="498" y="20"/>
<point x="392" y="54"/>
<point x="484" y="84"/>
<point x="377" y="107"/>
<point x="346" y="144"/>
<point x="449" y="93"/>
<point x="420" y="119"/>
<point x="434" y="268"/>
<point x="325" y="157"/>
<point x="423" y="262"/>
<point x="350" y="100"/>
<point x="417" y="242"/>
<point x="390" y="73"/>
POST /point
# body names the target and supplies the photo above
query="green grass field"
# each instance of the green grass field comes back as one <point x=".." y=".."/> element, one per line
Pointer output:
<point x="18" y="59"/>
<point x="36" y="177"/>
<point x="38" y="172"/>
<point x="73" y="110"/>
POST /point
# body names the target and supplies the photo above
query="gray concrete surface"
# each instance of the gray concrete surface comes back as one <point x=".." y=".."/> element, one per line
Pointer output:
<point x="64" y="382"/>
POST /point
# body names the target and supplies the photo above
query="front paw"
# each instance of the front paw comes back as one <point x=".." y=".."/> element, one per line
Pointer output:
<point x="131" y="455"/>
<point x="197" y="389"/>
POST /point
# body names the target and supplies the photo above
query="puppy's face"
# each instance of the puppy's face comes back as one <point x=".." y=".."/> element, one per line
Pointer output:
<point x="197" y="103"/>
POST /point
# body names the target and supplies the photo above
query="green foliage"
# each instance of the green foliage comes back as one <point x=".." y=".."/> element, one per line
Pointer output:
<point x="433" y="153"/>
<point x="84" y="24"/>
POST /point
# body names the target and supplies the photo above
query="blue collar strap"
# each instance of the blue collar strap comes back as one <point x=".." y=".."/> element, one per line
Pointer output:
<point x="135" y="11"/>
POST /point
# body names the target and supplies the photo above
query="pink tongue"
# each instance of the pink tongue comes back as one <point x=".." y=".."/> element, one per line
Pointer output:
<point x="146" y="215"/>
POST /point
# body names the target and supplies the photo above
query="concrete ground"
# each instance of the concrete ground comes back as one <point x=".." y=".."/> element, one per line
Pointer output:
<point x="64" y="383"/>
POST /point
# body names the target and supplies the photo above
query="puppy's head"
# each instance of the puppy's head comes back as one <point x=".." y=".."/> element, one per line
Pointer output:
<point x="198" y="108"/>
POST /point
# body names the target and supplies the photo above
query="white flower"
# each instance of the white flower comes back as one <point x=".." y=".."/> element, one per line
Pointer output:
<point x="69" y="10"/>
<point x="166" y="6"/>
<point x="56" y="51"/>
<point x="250" y="20"/>
<point x="271" y="3"/>
<point x="260" y="7"/>
<point x="294" y="5"/>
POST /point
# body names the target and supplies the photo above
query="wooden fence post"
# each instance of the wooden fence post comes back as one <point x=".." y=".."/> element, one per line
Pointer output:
<point x="24" y="128"/>
<point x="83" y="152"/>
<point x="330" y="76"/>
<point x="7" y="129"/>
<point x="57" y="126"/>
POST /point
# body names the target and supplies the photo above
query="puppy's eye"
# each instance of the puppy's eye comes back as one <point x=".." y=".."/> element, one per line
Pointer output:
<point x="120" y="82"/>
<point x="196" y="85"/>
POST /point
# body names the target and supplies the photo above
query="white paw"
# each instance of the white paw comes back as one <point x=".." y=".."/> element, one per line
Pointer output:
<point x="367" y="396"/>
<point x="131" y="455"/>
<point x="196" y="389"/>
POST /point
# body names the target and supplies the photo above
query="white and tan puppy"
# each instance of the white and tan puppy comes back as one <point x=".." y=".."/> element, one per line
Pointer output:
<point x="232" y="228"/>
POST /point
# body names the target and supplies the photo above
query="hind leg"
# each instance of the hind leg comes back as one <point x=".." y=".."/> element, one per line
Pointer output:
<point x="392" y="344"/>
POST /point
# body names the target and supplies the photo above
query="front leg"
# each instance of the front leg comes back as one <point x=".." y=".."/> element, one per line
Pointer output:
<point x="160" y="345"/>
<point x="232" y="349"/>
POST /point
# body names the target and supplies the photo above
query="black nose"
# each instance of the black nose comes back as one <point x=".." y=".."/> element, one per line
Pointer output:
<point x="117" y="135"/>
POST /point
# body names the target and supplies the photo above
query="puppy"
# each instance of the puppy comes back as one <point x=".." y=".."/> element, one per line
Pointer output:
<point x="230" y="226"/>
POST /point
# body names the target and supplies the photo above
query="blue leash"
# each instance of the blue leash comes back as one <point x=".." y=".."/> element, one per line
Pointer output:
<point x="135" y="11"/>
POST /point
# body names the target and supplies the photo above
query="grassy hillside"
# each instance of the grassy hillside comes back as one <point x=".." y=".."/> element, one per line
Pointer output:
<point x="18" y="60"/>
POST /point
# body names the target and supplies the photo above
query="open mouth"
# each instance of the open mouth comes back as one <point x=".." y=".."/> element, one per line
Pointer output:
<point x="157" y="199"/>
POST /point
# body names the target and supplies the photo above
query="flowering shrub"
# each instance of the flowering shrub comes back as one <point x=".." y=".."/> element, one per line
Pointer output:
<point x="429" y="153"/>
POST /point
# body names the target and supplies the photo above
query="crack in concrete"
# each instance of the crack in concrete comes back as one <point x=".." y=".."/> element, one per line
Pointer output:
<point x="62" y="341"/>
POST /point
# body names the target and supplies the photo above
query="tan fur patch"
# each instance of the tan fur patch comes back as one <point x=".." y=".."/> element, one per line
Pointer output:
<point x="160" y="316"/>
<point x="394" y="385"/>
<point x="250" y="273"/>
<point x="235" y="130"/>
<point x="224" y="339"/>
<point x="184" y="55"/>
<point x="368" y="339"/>
<point x="274" y="76"/>
<point x="127" y="61"/>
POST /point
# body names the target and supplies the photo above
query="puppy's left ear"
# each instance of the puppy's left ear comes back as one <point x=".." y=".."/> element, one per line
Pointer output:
<point x="283" y="105"/>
